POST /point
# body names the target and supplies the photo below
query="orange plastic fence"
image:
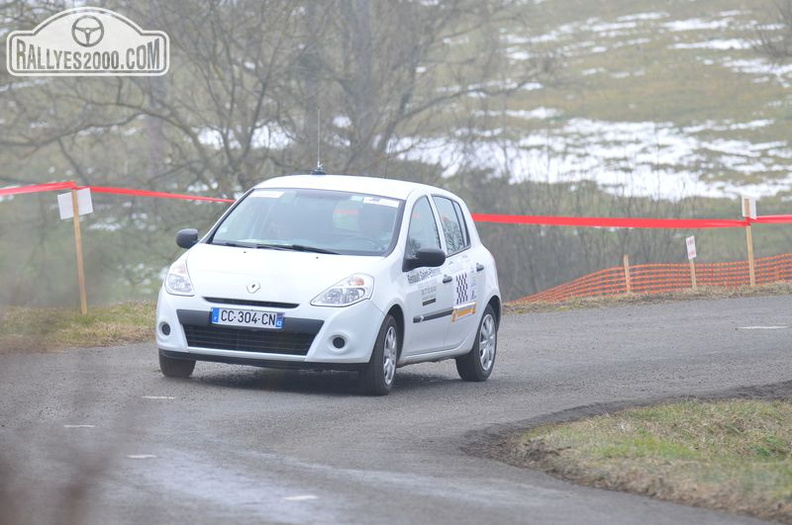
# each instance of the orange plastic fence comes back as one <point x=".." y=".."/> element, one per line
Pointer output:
<point x="658" y="278"/>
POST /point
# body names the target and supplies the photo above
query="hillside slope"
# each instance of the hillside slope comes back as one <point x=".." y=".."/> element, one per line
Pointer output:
<point x="667" y="99"/>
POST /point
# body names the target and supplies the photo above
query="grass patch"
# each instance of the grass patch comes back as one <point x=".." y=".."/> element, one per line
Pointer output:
<point x="25" y="330"/>
<point x="727" y="455"/>
<point x="701" y="293"/>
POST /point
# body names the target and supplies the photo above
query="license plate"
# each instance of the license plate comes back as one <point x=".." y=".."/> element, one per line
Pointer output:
<point x="247" y="318"/>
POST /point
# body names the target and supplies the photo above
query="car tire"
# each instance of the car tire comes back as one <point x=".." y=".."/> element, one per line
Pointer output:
<point x="171" y="367"/>
<point x="477" y="365"/>
<point x="378" y="376"/>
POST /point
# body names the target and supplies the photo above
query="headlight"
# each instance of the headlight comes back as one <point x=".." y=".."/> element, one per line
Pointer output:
<point x="177" y="282"/>
<point x="351" y="290"/>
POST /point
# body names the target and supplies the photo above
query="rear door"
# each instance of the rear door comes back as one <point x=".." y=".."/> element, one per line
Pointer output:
<point x="462" y="269"/>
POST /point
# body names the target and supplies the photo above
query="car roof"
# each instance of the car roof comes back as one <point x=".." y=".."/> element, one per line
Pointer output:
<point x="396" y="189"/>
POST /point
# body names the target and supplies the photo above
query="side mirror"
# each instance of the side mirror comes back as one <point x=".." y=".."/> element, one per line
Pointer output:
<point x="425" y="258"/>
<point x="187" y="238"/>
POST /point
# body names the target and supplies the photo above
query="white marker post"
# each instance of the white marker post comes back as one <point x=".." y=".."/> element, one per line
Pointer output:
<point x="72" y="205"/>
<point x="749" y="212"/>
<point x="691" y="250"/>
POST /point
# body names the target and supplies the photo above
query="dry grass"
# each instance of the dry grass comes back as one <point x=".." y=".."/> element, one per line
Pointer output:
<point x="24" y="329"/>
<point x="727" y="455"/>
<point x="701" y="293"/>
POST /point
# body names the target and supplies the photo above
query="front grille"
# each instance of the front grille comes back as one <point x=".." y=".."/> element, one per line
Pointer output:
<point x="240" y="302"/>
<point x="269" y="341"/>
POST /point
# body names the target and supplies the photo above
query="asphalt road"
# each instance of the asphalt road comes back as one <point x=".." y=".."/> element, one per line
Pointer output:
<point x="99" y="436"/>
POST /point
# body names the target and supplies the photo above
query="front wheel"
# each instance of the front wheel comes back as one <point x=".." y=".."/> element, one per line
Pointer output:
<point x="176" y="367"/>
<point x="378" y="376"/>
<point x="478" y="363"/>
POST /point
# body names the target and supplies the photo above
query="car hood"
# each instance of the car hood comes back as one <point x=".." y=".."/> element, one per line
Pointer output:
<point x="281" y="276"/>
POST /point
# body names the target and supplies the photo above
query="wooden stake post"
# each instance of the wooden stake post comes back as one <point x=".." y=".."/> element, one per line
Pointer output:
<point x="693" y="274"/>
<point x="627" y="273"/>
<point x="749" y="212"/>
<point x="751" y="266"/>
<point x="78" y="247"/>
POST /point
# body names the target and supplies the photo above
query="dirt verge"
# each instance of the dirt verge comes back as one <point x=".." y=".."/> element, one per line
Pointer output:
<point x="504" y="443"/>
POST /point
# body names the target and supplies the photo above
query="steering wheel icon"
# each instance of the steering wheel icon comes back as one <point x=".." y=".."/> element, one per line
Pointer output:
<point x="87" y="31"/>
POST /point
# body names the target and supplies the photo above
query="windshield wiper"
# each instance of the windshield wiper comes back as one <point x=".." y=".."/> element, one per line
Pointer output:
<point x="295" y="247"/>
<point x="314" y="249"/>
<point x="233" y="244"/>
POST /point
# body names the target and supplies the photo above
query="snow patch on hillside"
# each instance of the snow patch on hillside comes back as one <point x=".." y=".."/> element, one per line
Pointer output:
<point x="654" y="159"/>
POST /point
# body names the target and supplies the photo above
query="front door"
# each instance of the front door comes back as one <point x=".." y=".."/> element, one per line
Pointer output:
<point x="430" y="302"/>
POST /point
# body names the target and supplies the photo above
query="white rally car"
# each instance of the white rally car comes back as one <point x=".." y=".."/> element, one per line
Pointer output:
<point x="338" y="272"/>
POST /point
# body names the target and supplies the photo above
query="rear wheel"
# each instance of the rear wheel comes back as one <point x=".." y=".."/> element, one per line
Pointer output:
<point x="478" y="363"/>
<point x="378" y="376"/>
<point x="171" y="367"/>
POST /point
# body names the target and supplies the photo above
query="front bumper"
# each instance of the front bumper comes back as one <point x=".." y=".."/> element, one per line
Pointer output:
<point x="311" y="336"/>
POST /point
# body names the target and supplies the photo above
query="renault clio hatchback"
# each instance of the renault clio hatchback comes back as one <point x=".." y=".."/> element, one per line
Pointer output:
<point x="336" y="272"/>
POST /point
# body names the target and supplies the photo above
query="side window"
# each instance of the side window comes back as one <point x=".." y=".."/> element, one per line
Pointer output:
<point x="454" y="229"/>
<point x="423" y="229"/>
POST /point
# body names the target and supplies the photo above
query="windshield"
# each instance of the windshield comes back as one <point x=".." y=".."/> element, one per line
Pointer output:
<point x="312" y="220"/>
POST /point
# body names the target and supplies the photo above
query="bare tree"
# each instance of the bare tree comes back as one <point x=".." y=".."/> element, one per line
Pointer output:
<point x="776" y="41"/>
<point x="241" y="100"/>
<point x="248" y="78"/>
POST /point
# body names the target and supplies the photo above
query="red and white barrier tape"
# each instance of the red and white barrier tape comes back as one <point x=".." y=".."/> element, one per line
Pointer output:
<point x="543" y="220"/>
<point x="36" y="188"/>
<point x="158" y="194"/>
<point x="612" y="222"/>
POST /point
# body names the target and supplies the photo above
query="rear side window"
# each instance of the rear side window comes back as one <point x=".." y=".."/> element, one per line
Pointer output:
<point x="454" y="227"/>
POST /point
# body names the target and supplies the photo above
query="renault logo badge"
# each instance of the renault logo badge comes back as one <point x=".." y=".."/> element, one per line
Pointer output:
<point x="253" y="287"/>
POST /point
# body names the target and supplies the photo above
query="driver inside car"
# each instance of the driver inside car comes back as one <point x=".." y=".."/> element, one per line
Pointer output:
<point x="375" y="222"/>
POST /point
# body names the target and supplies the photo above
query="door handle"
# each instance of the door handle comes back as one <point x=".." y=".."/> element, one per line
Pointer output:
<point x="479" y="267"/>
<point x="447" y="279"/>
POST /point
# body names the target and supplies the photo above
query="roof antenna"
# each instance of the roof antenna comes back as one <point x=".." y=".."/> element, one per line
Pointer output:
<point x="319" y="169"/>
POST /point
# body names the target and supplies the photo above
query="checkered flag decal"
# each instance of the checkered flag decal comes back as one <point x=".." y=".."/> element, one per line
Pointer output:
<point x="462" y="288"/>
